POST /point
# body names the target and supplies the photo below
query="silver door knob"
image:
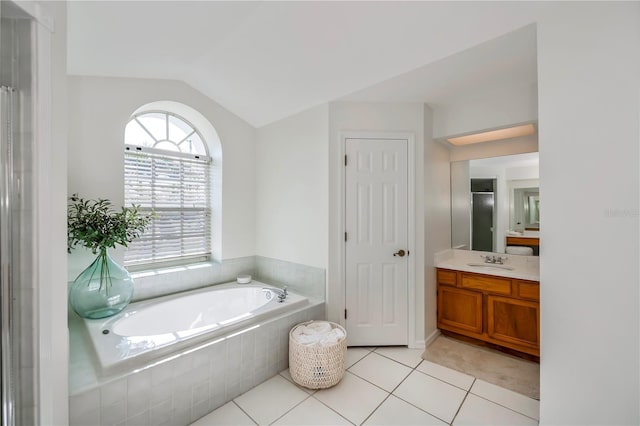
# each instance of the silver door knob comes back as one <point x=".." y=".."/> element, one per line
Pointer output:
<point x="399" y="253"/>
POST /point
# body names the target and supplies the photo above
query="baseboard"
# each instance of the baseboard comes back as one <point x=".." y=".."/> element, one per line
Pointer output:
<point x="423" y="344"/>
<point x="429" y="340"/>
<point x="418" y="344"/>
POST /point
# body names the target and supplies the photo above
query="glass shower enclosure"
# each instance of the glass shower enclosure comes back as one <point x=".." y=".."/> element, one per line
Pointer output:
<point x="17" y="292"/>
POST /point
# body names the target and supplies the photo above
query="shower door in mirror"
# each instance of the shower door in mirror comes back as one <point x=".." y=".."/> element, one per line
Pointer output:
<point x="376" y="264"/>
<point x="482" y="221"/>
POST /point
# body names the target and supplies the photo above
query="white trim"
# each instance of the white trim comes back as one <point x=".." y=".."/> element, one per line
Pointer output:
<point x="51" y="370"/>
<point x="36" y="11"/>
<point x="411" y="225"/>
<point x="430" y="339"/>
<point x="417" y="344"/>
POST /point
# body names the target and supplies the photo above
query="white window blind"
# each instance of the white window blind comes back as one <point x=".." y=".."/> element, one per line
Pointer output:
<point x="172" y="178"/>
<point x="176" y="189"/>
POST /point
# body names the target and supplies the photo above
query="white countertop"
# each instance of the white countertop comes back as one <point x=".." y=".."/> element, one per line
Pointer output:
<point x="524" y="267"/>
<point x="525" y="234"/>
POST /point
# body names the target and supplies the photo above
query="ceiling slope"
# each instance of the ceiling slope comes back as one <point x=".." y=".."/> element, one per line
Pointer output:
<point x="264" y="61"/>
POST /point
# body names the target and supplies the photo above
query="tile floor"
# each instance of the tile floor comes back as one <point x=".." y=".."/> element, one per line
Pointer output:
<point x="382" y="386"/>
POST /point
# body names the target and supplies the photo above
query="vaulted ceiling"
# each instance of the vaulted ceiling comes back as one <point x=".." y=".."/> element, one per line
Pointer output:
<point x="264" y="61"/>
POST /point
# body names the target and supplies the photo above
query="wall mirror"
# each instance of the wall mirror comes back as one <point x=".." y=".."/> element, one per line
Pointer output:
<point x="495" y="204"/>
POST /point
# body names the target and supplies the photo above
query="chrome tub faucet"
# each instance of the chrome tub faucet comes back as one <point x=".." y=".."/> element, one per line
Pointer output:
<point x="281" y="293"/>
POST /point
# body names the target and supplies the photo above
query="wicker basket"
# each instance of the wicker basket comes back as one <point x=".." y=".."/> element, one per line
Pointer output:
<point x="317" y="367"/>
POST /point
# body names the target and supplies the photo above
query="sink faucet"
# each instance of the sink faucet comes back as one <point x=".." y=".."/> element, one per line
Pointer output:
<point x="282" y="294"/>
<point x="494" y="259"/>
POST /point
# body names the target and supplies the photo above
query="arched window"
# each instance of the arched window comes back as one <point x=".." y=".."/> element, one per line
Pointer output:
<point x="167" y="170"/>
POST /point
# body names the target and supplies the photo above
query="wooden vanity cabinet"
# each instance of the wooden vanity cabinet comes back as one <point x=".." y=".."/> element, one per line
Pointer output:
<point x="498" y="310"/>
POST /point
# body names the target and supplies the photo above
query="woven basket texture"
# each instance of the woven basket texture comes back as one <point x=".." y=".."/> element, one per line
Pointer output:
<point x="317" y="367"/>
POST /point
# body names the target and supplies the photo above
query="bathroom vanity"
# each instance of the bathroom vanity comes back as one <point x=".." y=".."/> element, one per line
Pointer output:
<point x="492" y="303"/>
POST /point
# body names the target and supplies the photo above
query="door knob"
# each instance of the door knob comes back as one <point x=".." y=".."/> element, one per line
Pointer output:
<point x="399" y="253"/>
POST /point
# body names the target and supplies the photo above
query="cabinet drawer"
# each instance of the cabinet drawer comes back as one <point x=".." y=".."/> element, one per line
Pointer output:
<point x="445" y="276"/>
<point x="528" y="290"/>
<point x="485" y="283"/>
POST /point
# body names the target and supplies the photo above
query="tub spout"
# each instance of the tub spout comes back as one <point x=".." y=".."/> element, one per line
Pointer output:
<point x="282" y="294"/>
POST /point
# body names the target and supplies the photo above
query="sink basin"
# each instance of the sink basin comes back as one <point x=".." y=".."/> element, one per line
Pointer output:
<point x="491" y="265"/>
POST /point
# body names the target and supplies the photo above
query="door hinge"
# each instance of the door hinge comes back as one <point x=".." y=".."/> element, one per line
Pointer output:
<point x="345" y="314"/>
<point x="345" y="160"/>
<point x="345" y="236"/>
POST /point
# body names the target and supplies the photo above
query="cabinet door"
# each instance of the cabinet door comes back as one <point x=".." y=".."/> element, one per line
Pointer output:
<point x="459" y="310"/>
<point x="513" y="321"/>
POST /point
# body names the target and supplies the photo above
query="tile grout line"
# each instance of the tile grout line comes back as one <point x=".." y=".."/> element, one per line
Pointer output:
<point x="376" y="409"/>
<point x="428" y="375"/>
<point x="373" y="384"/>
<point x="288" y="411"/>
<point x="463" y="400"/>
<point x="503" y="406"/>
<point x="395" y="360"/>
<point x="347" y="369"/>
<point x="335" y="411"/>
<point x="393" y="390"/>
<point x="451" y="384"/>
<point x="245" y="413"/>
<point x="312" y="395"/>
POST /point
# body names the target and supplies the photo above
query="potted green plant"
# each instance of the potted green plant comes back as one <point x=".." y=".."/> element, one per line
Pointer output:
<point x="104" y="288"/>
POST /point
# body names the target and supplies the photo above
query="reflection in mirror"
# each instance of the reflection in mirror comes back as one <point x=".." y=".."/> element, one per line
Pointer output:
<point x="534" y="211"/>
<point x="495" y="204"/>
<point x="526" y="210"/>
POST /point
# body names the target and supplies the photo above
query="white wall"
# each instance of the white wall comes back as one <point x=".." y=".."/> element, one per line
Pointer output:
<point x="437" y="217"/>
<point x="522" y="173"/>
<point x="589" y="68"/>
<point x="487" y="107"/>
<point x="99" y="109"/>
<point x="460" y="205"/>
<point x="51" y="171"/>
<point x="383" y="118"/>
<point x="292" y="188"/>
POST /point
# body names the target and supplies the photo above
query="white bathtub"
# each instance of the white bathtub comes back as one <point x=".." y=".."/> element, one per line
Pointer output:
<point x="148" y="330"/>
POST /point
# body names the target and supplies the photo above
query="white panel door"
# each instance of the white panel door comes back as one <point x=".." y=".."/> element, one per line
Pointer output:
<point x="376" y="226"/>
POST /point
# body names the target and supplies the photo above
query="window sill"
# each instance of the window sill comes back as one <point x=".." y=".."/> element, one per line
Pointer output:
<point x="171" y="269"/>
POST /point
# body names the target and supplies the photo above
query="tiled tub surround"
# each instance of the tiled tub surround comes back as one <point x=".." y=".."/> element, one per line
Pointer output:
<point x="524" y="267"/>
<point x="180" y="388"/>
<point x="220" y="369"/>
<point x="306" y="280"/>
<point x="303" y="279"/>
<point x="148" y="329"/>
<point x="160" y="282"/>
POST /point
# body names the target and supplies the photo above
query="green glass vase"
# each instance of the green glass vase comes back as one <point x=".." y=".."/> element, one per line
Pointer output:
<point x="102" y="290"/>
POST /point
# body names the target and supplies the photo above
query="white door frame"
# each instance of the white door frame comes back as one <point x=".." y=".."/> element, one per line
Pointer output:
<point x="411" y="226"/>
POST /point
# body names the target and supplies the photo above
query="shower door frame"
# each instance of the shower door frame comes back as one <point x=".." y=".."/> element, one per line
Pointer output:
<point x="7" y="374"/>
<point x="48" y="197"/>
